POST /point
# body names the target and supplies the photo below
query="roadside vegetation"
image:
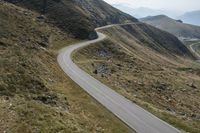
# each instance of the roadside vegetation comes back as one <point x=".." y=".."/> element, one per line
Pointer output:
<point x="153" y="72"/>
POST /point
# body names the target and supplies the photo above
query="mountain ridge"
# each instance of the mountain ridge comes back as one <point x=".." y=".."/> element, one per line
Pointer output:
<point x="141" y="12"/>
<point x="175" y="27"/>
<point x="79" y="17"/>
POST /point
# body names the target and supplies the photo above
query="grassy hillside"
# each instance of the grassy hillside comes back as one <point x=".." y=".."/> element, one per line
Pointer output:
<point x="78" y="17"/>
<point x="151" y="37"/>
<point x="35" y="94"/>
<point x="165" y="83"/>
<point x="172" y="26"/>
<point x="102" y="13"/>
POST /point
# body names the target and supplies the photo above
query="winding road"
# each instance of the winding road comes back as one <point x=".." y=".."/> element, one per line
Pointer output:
<point x="134" y="116"/>
<point x="192" y="49"/>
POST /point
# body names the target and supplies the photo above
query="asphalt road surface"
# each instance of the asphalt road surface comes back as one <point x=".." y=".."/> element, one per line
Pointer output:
<point x="134" y="116"/>
<point x="192" y="49"/>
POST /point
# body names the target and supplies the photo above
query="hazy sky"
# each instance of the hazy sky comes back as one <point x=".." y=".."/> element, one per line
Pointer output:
<point x="174" y="5"/>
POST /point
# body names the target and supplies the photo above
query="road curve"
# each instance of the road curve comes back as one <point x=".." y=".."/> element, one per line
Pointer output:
<point x="197" y="54"/>
<point x="134" y="116"/>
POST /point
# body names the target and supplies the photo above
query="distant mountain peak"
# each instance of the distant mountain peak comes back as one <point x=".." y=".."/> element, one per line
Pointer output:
<point x="175" y="27"/>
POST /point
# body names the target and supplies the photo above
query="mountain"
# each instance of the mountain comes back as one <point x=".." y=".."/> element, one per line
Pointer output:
<point x="191" y="17"/>
<point x="78" y="17"/>
<point x="162" y="42"/>
<point x="144" y="11"/>
<point x="175" y="27"/>
<point x="35" y="94"/>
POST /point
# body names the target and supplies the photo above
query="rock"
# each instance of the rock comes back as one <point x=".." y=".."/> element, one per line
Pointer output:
<point x="103" y="69"/>
<point x="184" y="90"/>
<point x="161" y="87"/>
<point x="95" y="72"/>
<point x="10" y="104"/>
<point x="193" y="86"/>
<point x="170" y="100"/>
<point x="26" y="13"/>
<point x="119" y="65"/>
<point x="42" y="48"/>
<point x="50" y="80"/>
<point x="7" y="98"/>
<point x="41" y="17"/>
<point x="135" y="95"/>
<point x="43" y="44"/>
<point x="169" y="109"/>
<point x="182" y="113"/>
<point x="103" y="53"/>
<point x="140" y="83"/>
<point x="193" y="115"/>
<point x="47" y="99"/>
<point x="61" y="114"/>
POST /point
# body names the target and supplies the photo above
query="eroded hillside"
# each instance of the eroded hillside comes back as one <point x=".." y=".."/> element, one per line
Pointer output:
<point x="151" y="68"/>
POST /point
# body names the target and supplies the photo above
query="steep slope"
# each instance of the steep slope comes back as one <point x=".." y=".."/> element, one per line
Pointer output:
<point x="35" y="94"/>
<point x="191" y="17"/>
<point x="158" y="40"/>
<point x="172" y="26"/>
<point x="79" y="17"/>
<point x="102" y="13"/>
<point x="138" y="66"/>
